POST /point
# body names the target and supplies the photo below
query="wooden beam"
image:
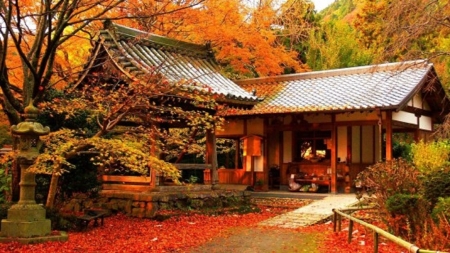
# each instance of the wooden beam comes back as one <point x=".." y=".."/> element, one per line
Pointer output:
<point x="319" y="126"/>
<point x="417" y="111"/>
<point x="192" y="166"/>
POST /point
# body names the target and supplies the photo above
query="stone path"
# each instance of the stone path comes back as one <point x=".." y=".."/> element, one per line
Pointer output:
<point x="313" y="213"/>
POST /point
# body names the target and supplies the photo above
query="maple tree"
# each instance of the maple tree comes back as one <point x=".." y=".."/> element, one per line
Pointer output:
<point x="242" y="35"/>
<point x="44" y="49"/>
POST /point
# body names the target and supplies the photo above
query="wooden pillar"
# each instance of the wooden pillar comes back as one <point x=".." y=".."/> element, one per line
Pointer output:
<point x="389" y="136"/>
<point x="333" y="154"/>
<point x="237" y="154"/>
<point x="380" y="135"/>
<point x="266" y="154"/>
<point x="417" y="132"/>
<point x="211" y="156"/>
<point x="153" y="153"/>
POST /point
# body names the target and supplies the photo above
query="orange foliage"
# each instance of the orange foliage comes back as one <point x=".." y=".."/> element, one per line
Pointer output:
<point x="242" y="37"/>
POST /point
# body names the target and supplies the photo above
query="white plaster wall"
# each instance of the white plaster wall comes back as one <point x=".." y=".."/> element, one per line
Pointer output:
<point x="235" y="127"/>
<point x="356" y="138"/>
<point x="426" y="123"/>
<point x="287" y="147"/>
<point x="405" y="117"/>
<point x="342" y="143"/>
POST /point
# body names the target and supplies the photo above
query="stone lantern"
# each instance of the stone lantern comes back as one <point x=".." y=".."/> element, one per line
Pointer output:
<point x="26" y="220"/>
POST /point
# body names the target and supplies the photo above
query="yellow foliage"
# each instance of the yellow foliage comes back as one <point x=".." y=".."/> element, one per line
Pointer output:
<point x="432" y="156"/>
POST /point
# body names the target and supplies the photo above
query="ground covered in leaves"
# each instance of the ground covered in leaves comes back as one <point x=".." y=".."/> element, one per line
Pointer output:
<point x="198" y="233"/>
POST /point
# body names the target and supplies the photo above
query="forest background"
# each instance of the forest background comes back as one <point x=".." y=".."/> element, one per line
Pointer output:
<point x="270" y="37"/>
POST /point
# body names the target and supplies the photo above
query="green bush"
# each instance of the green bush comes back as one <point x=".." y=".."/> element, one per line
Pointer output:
<point x="5" y="182"/>
<point x="60" y="221"/>
<point x="442" y="209"/>
<point x="402" y="204"/>
<point x="435" y="185"/>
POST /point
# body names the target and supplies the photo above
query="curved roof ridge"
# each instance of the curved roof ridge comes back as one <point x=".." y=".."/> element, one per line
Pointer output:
<point x="162" y="42"/>
<point x="396" y="66"/>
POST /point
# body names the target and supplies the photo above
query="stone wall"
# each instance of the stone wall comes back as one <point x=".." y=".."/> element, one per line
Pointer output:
<point x="146" y="205"/>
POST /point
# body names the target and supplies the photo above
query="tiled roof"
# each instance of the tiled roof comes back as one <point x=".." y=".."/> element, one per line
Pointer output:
<point x="361" y="88"/>
<point x="136" y="52"/>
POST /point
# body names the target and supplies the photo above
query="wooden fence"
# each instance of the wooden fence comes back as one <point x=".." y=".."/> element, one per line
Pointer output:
<point x="337" y="217"/>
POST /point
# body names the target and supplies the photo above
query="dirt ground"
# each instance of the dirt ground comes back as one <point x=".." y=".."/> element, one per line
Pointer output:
<point x="262" y="240"/>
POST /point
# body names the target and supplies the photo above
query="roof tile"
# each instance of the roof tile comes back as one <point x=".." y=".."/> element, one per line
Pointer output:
<point x="176" y="60"/>
<point x="360" y="88"/>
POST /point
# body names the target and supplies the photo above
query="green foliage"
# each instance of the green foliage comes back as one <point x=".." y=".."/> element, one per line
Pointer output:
<point x="332" y="45"/>
<point x="5" y="177"/>
<point x="192" y="179"/>
<point x="403" y="204"/>
<point x="385" y="180"/>
<point x="401" y="150"/>
<point x="442" y="209"/>
<point x="435" y="185"/>
<point x="431" y="156"/>
<point x="5" y="135"/>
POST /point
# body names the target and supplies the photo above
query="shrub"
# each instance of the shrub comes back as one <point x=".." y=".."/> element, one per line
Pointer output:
<point x="442" y="209"/>
<point x="435" y="185"/>
<point x="431" y="156"/>
<point x="402" y="204"/>
<point x="5" y="178"/>
<point x="389" y="180"/>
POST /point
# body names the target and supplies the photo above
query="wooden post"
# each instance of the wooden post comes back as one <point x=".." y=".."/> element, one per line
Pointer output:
<point x="339" y="222"/>
<point x="333" y="154"/>
<point x="266" y="154"/>
<point x="350" y="231"/>
<point x="153" y="172"/>
<point x="380" y="135"/>
<point x="237" y="154"/>
<point x="334" y="220"/>
<point x="211" y="156"/>
<point x="389" y="136"/>
<point x="375" y="242"/>
<point x="417" y="132"/>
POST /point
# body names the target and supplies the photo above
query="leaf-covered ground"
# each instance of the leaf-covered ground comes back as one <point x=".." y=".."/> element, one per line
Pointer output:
<point x="208" y="233"/>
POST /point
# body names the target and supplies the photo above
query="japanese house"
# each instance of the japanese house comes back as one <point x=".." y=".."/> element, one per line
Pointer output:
<point x="124" y="55"/>
<point x="329" y="125"/>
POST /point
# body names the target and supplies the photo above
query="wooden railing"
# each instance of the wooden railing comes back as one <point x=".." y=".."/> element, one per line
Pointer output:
<point x="337" y="218"/>
<point x="126" y="183"/>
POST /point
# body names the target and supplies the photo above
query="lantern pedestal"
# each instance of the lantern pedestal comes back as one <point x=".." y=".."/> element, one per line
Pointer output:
<point x="26" y="222"/>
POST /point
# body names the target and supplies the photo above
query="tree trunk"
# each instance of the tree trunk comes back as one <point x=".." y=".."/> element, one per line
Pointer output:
<point x="15" y="180"/>
<point x="52" y="189"/>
